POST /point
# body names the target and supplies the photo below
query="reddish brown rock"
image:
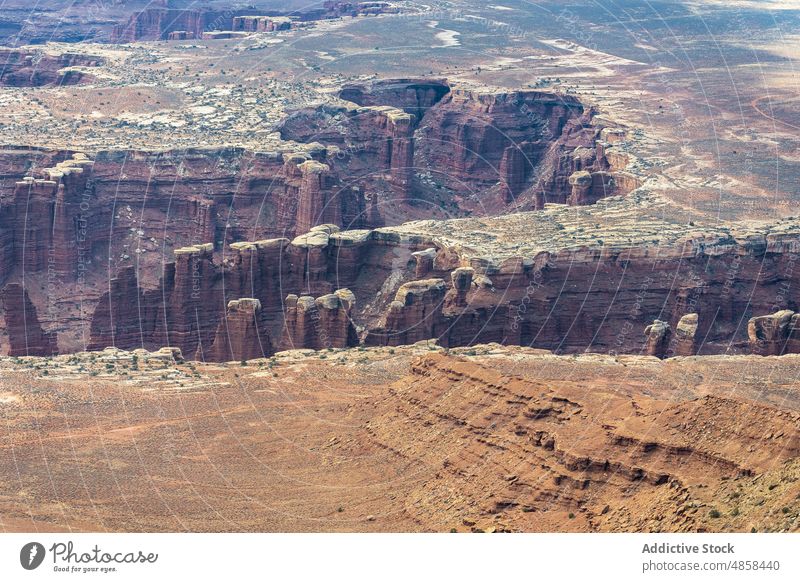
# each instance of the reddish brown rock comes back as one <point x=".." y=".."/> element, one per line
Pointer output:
<point x="581" y="183"/>
<point x="122" y="318"/>
<point x="481" y="140"/>
<point x="27" y="68"/>
<point x="195" y="305"/>
<point x="158" y="23"/>
<point x="25" y="334"/>
<point x="462" y="285"/>
<point x="658" y="336"/>
<point x="320" y="324"/>
<point x="414" y="315"/>
<point x="42" y="218"/>
<point x="256" y="23"/>
<point x="425" y="260"/>
<point x="315" y="203"/>
<point x="242" y="334"/>
<point x="180" y="35"/>
<point x="513" y="171"/>
<point x="414" y="96"/>
<point x="685" y="337"/>
<point x="770" y="334"/>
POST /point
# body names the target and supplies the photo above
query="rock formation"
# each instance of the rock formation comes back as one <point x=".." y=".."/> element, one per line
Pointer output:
<point x="157" y="23"/>
<point x="462" y="284"/>
<point x="685" y="336"/>
<point x="770" y="335"/>
<point x="658" y="336"/>
<point x="122" y="317"/>
<point x="320" y="324"/>
<point x="316" y="204"/>
<point x="517" y="148"/>
<point x="414" y="96"/>
<point x="29" y="68"/>
<point x="264" y="225"/>
<point x="424" y="261"/>
<point x="261" y="23"/>
<point x="180" y="35"/>
<point x="42" y="218"/>
<point x="242" y="334"/>
<point x="414" y="315"/>
<point x="25" y="334"/>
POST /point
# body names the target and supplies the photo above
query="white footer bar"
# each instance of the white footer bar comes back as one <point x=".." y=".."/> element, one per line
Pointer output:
<point x="379" y="557"/>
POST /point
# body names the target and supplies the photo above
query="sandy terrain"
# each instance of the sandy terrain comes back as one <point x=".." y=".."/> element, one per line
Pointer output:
<point x="407" y="439"/>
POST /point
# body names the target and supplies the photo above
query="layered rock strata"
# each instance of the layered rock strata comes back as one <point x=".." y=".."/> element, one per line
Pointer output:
<point x="685" y="340"/>
<point x="406" y="287"/>
<point x="322" y="323"/>
<point x="658" y="336"/>
<point x="25" y="334"/>
<point x="242" y="334"/>
<point x="36" y="68"/>
<point x="774" y="334"/>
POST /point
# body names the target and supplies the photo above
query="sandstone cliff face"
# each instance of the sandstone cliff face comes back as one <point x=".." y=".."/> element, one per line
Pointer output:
<point x="40" y="220"/>
<point x="325" y="322"/>
<point x="414" y="315"/>
<point x="685" y="337"/>
<point x="157" y="23"/>
<point x="517" y="149"/>
<point x="515" y="141"/>
<point x="242" y="334"/>
<point x="35" y="68"/>
<point x="166" y="231"/>
<point x="571" y="300"/>
<point x="774" y="334"/>
<point x="25" y="334"/>
<point x="658" y="336"/>
<point x="414" y="96"/>
<point x="122" y="318"/>
<point x="260" y="23"/>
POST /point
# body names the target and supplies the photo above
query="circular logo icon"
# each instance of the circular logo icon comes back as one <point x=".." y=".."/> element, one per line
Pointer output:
<point x="31" y="555"/>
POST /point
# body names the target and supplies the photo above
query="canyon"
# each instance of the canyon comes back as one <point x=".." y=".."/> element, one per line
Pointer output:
<point x="397" y="266"/>
<point x="163" y="243"/>
<point x="179" y="235"/>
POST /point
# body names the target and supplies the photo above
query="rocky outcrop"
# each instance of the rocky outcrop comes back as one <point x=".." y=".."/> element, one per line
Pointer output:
<point x="374" y="145"/>
<point x="424" y="262"/>
<point x="771" y="335"/>
<point x="685" y="338"/>
<point x="520" y="149"/>
<point x="325" y="322"/>
<point x="316" y="203"/>
<point x="122" y="318"/>
<point x="25" y="334"/>
<point x="180" y="35"/>
<point x="561" y="279"/>
<point x="658" y="336"/>
<point x="41" y="219"/>
<point x="414" y="315"/>
<point x="575" y="299"/>
<point x="462" y="285"/>
<point x="242" y="334"/>
<point x="193" y="306"/>
<point x="414" y="96"/>
<point x="157" y="23"/>
<point x="337" y="9"/>
<point x="482" y="140"/>
<point x="36" y="68"/>
<point x="261" y="23"/>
